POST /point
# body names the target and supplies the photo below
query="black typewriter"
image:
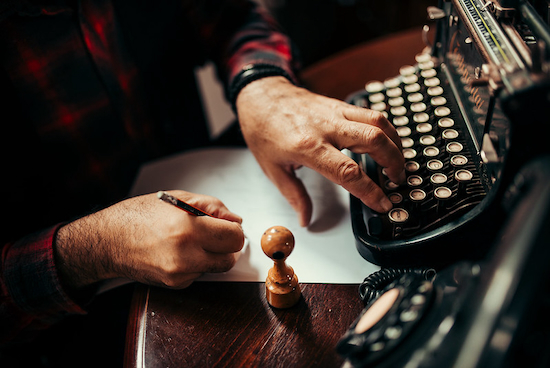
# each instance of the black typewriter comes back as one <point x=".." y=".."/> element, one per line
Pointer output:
<point x="472" y="110"/>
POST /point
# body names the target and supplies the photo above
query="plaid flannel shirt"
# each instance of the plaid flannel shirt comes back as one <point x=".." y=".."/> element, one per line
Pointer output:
<point x="94" y="89"/>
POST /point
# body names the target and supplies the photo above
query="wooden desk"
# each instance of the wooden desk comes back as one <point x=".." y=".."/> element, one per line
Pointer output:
<point x="231" y="325"/>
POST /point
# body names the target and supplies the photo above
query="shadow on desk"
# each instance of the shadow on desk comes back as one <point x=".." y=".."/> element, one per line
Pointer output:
<point x="214" y="324"/>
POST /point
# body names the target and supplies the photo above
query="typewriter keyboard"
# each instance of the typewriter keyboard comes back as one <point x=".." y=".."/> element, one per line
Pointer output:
<point x="443" y="181"/>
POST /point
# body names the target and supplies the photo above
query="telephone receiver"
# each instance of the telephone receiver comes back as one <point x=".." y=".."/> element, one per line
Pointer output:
<point x="489" y="313"/>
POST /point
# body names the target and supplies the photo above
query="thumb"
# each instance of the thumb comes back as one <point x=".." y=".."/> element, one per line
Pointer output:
<point x="293" y="189"/>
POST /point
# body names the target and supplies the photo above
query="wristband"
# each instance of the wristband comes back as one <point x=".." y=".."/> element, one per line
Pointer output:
<point x="249" y="74"/>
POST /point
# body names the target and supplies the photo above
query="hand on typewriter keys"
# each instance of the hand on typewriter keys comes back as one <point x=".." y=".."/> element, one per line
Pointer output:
<point x="287" y="127"/>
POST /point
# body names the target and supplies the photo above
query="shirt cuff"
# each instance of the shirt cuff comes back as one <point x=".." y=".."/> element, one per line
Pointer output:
<point x="32" y="279"/>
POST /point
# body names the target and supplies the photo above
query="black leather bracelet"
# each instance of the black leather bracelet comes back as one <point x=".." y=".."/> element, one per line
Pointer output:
<point x="250" y="74"/>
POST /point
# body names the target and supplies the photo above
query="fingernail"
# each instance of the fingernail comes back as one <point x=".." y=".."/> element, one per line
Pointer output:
<point x="386" y="204"/>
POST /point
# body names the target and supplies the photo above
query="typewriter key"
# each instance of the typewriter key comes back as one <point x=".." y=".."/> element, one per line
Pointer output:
<point x="407" y="142"/>
<point x="434" y="165"/>
<point x="428" y="64"/>
<point x="392" y="83"/>
<point x="417" y="195"/>
<point x="379" y="106"/>
<point x="438" y="101"/>
<point x="435" y="91"/>
<point x="442" y="193"/>
<point x="377" y="97"/>
<point x="398" y="110"/>
<point x="428" y="73"/>
<point x="422" y="57"/>
<point x="400" y="120"/>
<point x="424" y="128"/>
<point x="432" y="82"/>
<point x="410" y="79"/>
<point x="412" y="166"/>
<point x="395" y="198"/>
<point x="431" y="151"/>
<point x="403" y="131"/>
<point x="411" y="88"/>
<point x="414" y="181"/>
<point x="445" y="123"/>
<point x="418" y="107"/>
<point x="394" y="92"/>
<point x="442" y="111"/>
<point x="415" y="97"/>
<point x="374" y="86"/>
<point x="396" y="101"/>
<point x="398" y="215"/>
<point x="459" y="160"/>
<point x="438" y="179"/>
<point x="449" y="134"/>
<point x="421" y="117"/>
<point x="454" y="147"/>
<point x="463" y="177"/>
<point x="427" y="140"/>
<point x="390" y="185"/>
<point x="409" y="153"/>
<point x="407" y="70"/>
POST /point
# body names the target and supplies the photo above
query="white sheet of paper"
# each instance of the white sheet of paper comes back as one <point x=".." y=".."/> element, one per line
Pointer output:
<point x="324" y="252"/>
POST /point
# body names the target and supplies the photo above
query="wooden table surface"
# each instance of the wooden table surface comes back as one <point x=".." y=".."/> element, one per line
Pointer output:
<point x="216" y="324"/>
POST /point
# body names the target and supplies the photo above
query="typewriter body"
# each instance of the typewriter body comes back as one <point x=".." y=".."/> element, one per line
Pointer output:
<point x="470" y="113"/>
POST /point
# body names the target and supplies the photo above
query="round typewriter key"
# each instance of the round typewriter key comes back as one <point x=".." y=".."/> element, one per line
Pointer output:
<point x="421" y="117"/>
<point x="379" y="106"/>
<point x="407" y="70"/>
<point x="393" y="332"/>
<point x="459" y="160"/>
<point x="435" y="91"/>
<point x="395" y="198"/>
<point x="442" y="193"/>
<point x="432" y="82"/>
<point x="374" y="86"/>
<point x="377" y="97"/>
<point x="445" y="122"/>
<point x="449" y="134"/>
<point x="428" y="64"/>
<point x="407" y="142"/>
<point x="398" y="215"/>
<point x="415" y="97"/>
<point x="396" y="101"/>
<point x="412" y="166"/>
<point x="463" y="175"/>
<point x="418" y="107"/>
<point x="403" y="131"/>
<point x="438" y="179"/>
<point x="434" y="165"/>
<point x="422" y="57"/>
<point x="431" y="151"/>
<point x="417" y="195"/>
<point x="409" y="153"/>
<point x="384" y="114"/>
<point x="400" y="120"/>
<point x="394" y="92"/>
<point x="428" y="73"/>
<point x="410" y="79"/>
<point x="454" y="147"/>
<point x="398" y="110"/>
<point x="441" y="111"/>
<point x="427" y="140"/>
<point x="390" y="185"/>
<point x="438" y="101"/>
<point x="423" y="128"/>
<point x="392" y="82"/>
<point x="411" y="88"/>
<point x="414" y="181"/>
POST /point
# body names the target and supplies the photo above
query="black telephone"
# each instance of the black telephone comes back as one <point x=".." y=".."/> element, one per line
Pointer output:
<point x="491" y="313"/>
<point x="471" y="112"/>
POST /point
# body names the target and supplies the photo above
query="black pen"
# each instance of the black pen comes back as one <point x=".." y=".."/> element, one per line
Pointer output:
<point x="181" y="204"/>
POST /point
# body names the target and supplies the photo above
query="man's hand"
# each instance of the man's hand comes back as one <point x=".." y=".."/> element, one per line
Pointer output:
<point x="150" y="241"/>
<point x="287" y="127"/>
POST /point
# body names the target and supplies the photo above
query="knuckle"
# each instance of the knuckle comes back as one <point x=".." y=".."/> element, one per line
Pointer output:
<point x="349" y="171"/>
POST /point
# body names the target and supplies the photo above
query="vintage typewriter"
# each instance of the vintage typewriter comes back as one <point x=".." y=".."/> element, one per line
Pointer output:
<point x="470" y="113"/>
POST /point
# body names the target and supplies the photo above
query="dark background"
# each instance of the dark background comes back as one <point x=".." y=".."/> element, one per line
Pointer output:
<point x="323" y="27"/>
